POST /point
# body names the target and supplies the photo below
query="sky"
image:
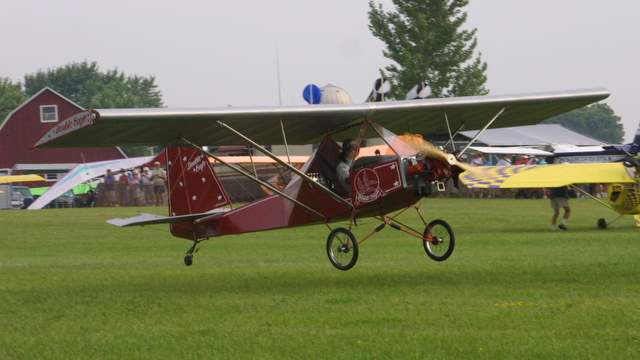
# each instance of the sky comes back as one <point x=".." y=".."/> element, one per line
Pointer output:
<point x="209" y="53"/>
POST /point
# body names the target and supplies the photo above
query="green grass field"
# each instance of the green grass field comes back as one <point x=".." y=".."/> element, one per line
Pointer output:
<point x="72" y="286"/>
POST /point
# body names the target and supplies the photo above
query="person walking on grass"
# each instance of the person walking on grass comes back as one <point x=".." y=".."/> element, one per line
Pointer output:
<point x="560" y="199"/>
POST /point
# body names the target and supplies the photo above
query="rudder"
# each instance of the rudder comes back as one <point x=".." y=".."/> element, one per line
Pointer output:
<point x="193" y="186"/>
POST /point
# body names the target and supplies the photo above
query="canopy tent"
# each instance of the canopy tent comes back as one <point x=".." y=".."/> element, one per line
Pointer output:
<point x="8" y="179"/>
<point x="77" y="190"/>
<point x="532" y="135"/>
<point x="510" y="150"/>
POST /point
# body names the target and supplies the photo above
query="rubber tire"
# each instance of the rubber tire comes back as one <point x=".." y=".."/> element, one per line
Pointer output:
<point x="188" y="260"/>
<point x="355" y="248"/>
<point x="452" y="241"/>
<point x="602" y="224"/>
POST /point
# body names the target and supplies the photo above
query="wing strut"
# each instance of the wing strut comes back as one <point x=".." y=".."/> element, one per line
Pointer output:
<point x="455" y="133"/>
<point x="254" y="178"/>
<point x="482" y="131"/>
<point x="290" y="167"/>
<point x="578" y="189"/>
<point x="284" y="138"/>
<point x="453" y="143"/>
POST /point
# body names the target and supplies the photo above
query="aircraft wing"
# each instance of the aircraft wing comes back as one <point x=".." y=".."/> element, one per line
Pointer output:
<point x="545" y="176"/>
<point x="307" y="124"/>
<point x="83" y="173"/>
<point x="8" y="179"/>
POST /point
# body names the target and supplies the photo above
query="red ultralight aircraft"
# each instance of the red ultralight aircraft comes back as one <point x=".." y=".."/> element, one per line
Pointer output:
<point x="381" y="187"/>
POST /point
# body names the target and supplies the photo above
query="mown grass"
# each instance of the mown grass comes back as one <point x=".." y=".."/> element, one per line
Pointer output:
<point x="72" y="286"/>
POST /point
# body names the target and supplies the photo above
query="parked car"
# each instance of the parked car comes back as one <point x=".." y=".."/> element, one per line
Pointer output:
<point x="17" y="200"/>
<point x="21" y="197"/>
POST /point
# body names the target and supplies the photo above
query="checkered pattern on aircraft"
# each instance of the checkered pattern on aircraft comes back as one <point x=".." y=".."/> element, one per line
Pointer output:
<point x="545" y="176"/>
<point x="491" y="177"/>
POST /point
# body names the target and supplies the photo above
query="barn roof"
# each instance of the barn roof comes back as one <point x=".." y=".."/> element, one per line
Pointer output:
<point x="47" y="91"/>
<point x="34" y="96"/>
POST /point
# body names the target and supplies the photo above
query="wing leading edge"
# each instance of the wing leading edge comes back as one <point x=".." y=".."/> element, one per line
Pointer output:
<point x="307" y="124"/>
<point x="545" y="176"/>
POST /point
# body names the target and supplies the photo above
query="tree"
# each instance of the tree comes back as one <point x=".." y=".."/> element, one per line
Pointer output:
<point x="598" y="121"/>
<point x="89" y="87"/>
<point x="11" y="97"/>
<point x="426" y="43"/>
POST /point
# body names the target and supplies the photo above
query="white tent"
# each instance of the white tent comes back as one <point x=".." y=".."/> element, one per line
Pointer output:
<point x="510" y="150"/>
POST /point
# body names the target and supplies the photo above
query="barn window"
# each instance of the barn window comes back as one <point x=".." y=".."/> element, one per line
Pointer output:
<point x="48" y="113"/>
<point x="51" y="176"/>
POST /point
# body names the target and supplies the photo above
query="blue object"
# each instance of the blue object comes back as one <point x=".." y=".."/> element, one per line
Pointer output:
<point x="312" y="94"/>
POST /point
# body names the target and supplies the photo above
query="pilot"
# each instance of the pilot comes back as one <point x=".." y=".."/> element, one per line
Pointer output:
<point x="349" y="152"/>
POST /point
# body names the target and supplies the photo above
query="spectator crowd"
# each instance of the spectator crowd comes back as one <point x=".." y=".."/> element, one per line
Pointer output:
<point x="137" y="187"/>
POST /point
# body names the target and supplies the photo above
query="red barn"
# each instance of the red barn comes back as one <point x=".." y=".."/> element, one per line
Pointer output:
<point x="28" y="123"/>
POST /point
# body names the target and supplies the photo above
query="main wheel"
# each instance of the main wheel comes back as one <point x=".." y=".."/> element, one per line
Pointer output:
<point x="602" y="224"/>
<point x="342" y="248"/>
<point x="438" y="240"/>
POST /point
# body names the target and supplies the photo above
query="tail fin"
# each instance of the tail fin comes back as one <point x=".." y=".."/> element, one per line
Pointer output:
<point x="193" y="186"/>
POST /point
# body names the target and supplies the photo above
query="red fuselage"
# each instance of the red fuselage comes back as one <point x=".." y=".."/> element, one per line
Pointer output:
<point x="379" y="185"/>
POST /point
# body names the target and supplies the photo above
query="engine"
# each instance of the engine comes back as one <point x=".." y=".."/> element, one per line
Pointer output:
<point x="420" y="172"/>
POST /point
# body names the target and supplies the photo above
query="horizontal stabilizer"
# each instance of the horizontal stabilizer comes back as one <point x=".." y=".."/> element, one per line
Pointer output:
<point x="152" y="219"/>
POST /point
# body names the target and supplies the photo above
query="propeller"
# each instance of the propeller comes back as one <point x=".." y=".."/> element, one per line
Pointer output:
<point x="429" y="150"/>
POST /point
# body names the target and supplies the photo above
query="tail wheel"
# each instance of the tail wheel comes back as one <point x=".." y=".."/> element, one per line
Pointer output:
<point x="602" y="224"/>
<point x="438" y="240"/>
<point x="342" y="248"/>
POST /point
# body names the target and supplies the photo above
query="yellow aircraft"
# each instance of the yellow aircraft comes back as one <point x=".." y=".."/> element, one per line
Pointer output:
<point x="623" y="179"/>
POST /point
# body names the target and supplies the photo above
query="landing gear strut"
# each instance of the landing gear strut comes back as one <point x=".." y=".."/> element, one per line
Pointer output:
<point x="188" y="257"/>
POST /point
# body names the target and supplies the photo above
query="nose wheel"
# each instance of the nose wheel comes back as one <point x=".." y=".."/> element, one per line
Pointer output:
<point x="342" y="248"/>
<point x="602" y="224"/>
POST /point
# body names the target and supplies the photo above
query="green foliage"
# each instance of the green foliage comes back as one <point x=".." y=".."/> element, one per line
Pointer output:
<point x="91" y="88"/>
<point x="72" y="286"/>
<point x="426" y="42"/>
<point x="598" y="121"/>
<point x="11" y="97"/>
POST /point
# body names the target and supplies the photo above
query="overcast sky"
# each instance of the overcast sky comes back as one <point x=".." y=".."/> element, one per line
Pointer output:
<point x="215" y="53"/>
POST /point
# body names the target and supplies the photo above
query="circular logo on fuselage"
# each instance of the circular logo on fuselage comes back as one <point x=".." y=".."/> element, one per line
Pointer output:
<point x="367" y="186"/>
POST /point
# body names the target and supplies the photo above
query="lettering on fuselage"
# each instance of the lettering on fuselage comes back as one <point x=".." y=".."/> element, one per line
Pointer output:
<point x="197" y="164"/>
